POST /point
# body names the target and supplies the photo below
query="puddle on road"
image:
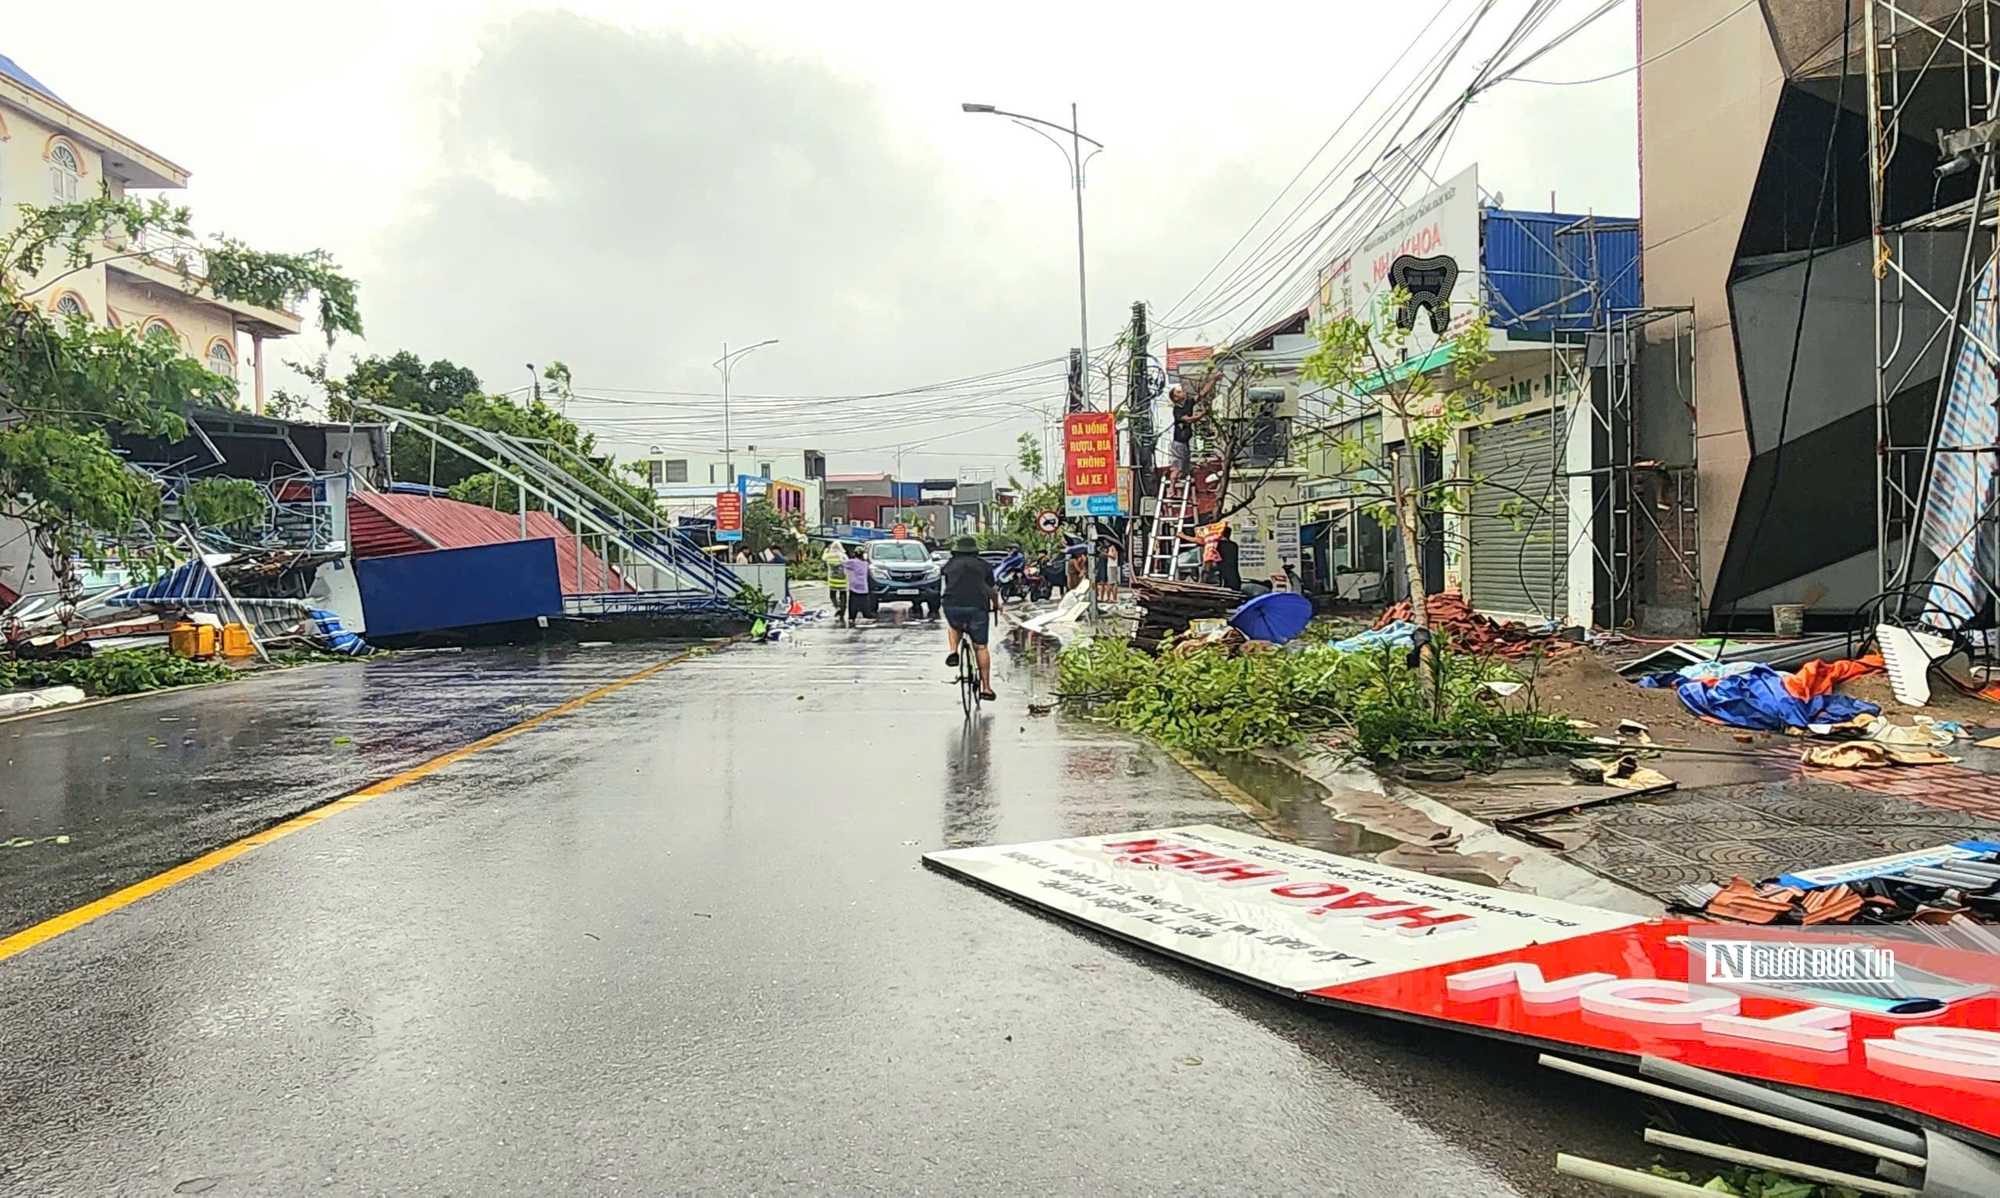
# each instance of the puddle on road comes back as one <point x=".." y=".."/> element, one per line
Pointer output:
<point x="1357" y="822"/>
<point x="1299" y="806"/>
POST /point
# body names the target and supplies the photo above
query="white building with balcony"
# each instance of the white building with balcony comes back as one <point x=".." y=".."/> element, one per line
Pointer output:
<point x="686" y="479"/>
<point x="52" y="153"/>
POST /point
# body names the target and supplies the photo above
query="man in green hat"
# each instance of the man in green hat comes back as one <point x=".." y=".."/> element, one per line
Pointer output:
<point x="969" y="595"/>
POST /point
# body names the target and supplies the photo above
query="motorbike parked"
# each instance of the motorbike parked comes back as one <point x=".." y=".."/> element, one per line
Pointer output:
<point x="1010" y="575"/>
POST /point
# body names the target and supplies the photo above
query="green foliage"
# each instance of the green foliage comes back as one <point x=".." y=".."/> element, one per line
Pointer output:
<point x="1209" y="699"/>
<point x="227" y="503"/>
<point x="754" y="600"/>
<point x="1030" y="453"/>
<point x="1357" y="357"/>
<point x="806" y="567"/>
<point x="122" y="672"/>
<point x="405" y="381"/>
<point x="1017" y="523"/>
<point x="66" y="385"/>
<point x="765" y="527"/>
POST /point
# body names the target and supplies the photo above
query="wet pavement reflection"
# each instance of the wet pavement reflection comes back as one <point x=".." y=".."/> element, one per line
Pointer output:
<point x="681" y="941"/>
<point x="144" y="783"/>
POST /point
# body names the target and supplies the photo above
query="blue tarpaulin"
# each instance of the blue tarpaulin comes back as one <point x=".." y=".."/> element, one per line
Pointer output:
<point x="1757" y="698"/>
<point x="1397" y="635"/>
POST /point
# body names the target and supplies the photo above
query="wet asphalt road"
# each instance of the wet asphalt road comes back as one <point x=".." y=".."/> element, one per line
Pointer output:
<point x="142" y="784"/>
<point x="679" y="941"/>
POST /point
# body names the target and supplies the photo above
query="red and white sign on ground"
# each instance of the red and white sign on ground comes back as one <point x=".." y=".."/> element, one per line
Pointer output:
<point x="1339" y="930"/>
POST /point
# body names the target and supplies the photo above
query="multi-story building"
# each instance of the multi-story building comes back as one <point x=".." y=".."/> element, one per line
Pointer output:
<point x="686" y="480"/>
<point x="52" y="153"/>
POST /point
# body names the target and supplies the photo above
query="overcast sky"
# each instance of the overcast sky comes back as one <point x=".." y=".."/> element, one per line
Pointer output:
<point x="628" y="185"/>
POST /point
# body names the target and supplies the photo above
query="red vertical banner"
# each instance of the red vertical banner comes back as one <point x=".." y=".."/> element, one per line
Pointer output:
<point x="728" y="516"/>
<point x="1090" y="463"/>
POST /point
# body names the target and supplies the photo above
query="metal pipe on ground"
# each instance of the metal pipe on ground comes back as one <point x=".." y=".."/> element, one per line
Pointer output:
<point x="1785" y="1106"/>
<point x="1629" y="1180"/>
<point x="1746" y="1114"/>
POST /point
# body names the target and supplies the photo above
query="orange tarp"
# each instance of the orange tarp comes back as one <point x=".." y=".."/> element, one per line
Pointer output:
<point x="1820" y="677"/>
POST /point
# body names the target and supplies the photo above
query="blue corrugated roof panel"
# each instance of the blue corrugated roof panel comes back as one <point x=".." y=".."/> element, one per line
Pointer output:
<point x="1550" y="272"/>
<point x="12" y="70"/>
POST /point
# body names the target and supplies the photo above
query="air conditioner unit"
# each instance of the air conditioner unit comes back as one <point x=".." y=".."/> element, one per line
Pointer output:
<point x="1261" y="400"/>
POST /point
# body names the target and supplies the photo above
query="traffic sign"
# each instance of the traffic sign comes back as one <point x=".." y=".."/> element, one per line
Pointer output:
<point x="1048" y="522"/>
<point x="728" y="516"/>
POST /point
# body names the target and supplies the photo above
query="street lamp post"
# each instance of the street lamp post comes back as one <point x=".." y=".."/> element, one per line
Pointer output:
<point x="725" y="363"/>
<point x="1077" y="162"/>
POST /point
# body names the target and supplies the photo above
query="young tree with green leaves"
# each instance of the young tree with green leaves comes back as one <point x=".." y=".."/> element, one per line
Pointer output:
<point x="66" y="384"/>
<point x="1423" y="405"/>
<point x="1029" y="450"/>
<point x="765" y="527"/>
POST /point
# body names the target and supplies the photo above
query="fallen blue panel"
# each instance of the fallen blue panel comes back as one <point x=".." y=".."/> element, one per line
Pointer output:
<point x="459" y="588"/>
<point x="189" y="580"/>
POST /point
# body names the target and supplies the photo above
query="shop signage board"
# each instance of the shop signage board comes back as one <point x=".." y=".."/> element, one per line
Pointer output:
<point x="728" y="515"/>
<point x="1429" y="248"/>
<point x="1090" y="464"/>
<point x="1332" y="929"/>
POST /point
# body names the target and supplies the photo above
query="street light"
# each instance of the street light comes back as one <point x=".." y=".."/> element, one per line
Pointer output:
<point x="1077" y="161"/>
<point x="724" y="364"/>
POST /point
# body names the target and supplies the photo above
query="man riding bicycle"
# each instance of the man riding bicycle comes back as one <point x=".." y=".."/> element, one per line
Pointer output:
<point x="969" y="595"/>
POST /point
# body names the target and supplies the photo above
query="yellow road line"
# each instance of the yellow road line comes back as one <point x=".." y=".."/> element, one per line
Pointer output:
<point x="49" y="929"/>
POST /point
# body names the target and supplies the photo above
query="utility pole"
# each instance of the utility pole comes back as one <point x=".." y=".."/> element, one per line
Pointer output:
<point x="534" y="383"/>
<point x="1139" y="420"/>
<point x="1138" y="392"/>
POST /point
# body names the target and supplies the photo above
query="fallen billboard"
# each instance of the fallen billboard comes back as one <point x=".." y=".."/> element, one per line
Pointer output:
<point x="1324" y="928"/>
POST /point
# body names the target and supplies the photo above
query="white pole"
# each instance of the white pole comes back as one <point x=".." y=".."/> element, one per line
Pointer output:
<point x="1083" y="329"/>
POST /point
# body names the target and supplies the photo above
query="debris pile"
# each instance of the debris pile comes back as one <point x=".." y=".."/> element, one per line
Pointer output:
<point x="1169" y="608"/>
<point x="1952" y="884"/>
<point x="1471" y="632"/>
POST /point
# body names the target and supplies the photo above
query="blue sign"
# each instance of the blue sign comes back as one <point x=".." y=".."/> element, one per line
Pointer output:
<point x="1093" y="505"/>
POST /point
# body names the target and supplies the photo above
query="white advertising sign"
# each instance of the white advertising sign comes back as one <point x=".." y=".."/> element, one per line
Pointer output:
<point x="1430" y="249"/>
<point x="1287" y="917"/>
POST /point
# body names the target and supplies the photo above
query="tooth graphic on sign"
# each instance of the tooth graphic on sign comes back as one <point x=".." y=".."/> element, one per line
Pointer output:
<point x="1430" y="282"/>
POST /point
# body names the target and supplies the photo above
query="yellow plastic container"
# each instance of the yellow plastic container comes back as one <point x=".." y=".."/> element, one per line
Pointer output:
<point x="192" y="640"/>
<point x="236" y="641"/>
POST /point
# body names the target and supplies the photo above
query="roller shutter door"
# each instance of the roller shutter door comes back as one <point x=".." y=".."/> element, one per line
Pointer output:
<point x="1517" y="522"/>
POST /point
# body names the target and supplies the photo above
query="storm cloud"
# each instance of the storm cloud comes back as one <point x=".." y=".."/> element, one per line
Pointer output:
<point x="627" y="201"/>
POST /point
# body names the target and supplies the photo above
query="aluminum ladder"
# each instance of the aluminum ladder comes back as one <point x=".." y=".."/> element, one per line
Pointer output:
<point x="1173" y="516"/>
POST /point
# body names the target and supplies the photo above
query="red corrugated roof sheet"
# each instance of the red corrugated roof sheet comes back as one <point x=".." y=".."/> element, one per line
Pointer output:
<point x="1178" y="355"/>
<point x="382" y="525"/>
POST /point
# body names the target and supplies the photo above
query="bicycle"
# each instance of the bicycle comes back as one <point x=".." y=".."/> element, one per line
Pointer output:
<point x="969" y="684"/>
